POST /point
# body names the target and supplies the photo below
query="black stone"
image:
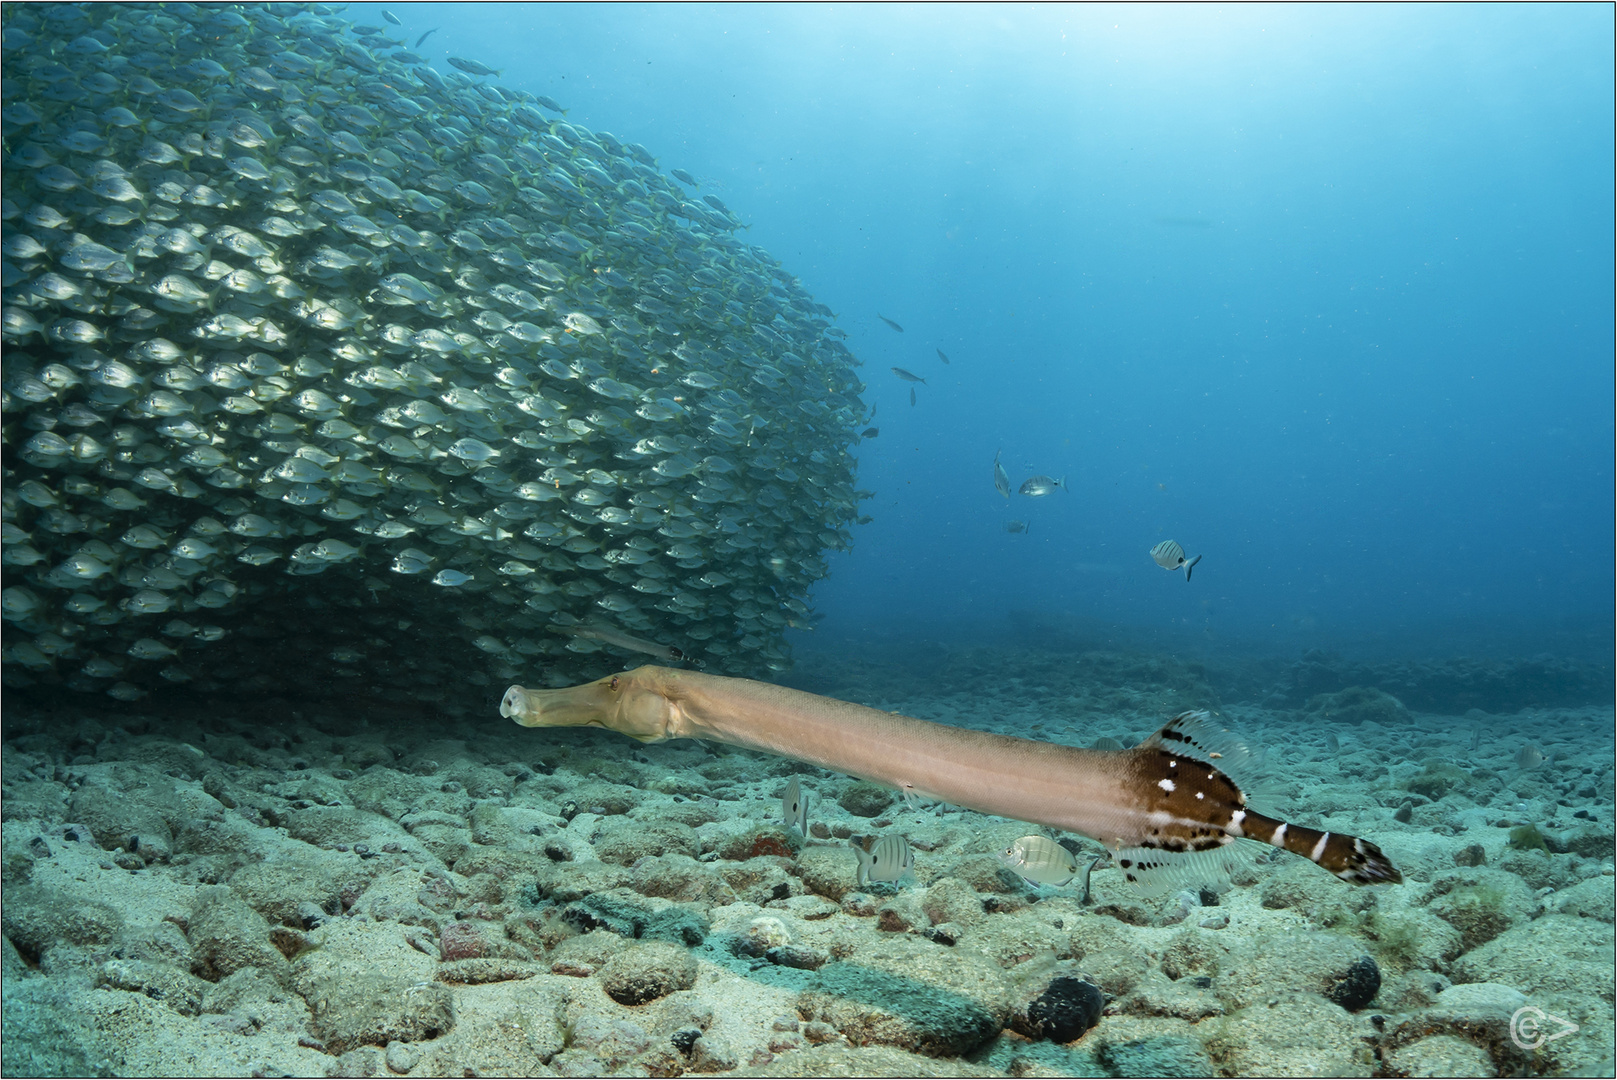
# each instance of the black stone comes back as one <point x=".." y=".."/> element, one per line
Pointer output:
<point x="1358" y="986"/>
<point x="1068" y="1008"/>
<point x="685" y="1038"/>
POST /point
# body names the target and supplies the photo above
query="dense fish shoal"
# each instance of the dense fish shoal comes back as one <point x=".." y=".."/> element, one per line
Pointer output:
<point x="282" y="302"/>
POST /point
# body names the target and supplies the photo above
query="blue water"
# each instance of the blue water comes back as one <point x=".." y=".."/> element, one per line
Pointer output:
<point x="1325" y="294"/>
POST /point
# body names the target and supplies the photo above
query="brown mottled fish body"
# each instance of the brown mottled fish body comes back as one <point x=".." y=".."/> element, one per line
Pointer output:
<point x="1155" y="797"/>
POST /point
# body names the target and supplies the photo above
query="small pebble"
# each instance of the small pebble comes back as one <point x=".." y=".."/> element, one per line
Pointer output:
<point x="402" y="1057"/>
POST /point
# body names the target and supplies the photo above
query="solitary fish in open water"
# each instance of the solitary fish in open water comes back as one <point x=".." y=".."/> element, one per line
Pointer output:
<point x="889" y="322"/>
<point x="1170" y="556"/>
<point x="1042" y="485"/>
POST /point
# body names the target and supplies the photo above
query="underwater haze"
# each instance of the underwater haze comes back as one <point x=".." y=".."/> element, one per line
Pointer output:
<point x="814" y="540"/>
<point x="1323" y="293"/>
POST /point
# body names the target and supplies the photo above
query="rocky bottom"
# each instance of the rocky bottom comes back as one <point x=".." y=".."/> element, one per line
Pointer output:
<point x="271" y="892"/>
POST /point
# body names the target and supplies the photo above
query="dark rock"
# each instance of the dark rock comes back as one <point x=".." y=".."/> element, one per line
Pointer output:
<point x="875" y="1007"/>
<point x="374" y="1010"/>
<point x="759" y="842"/>
<point x="647" y="972"/>
<point x="864" y="799"/>
<point x="617" y="912"/>
<point x="227" y="935"/>
<point x="802" y="957"/>
<point x="1356" y="704"/>
<point x="1161" y="1055"/>
<point x="1070" y="1006"/>
<point x="1461" y="685"/>
<point x="626" y="842"/>
<point x="1470" y="855"/>
<point x="1358" y="986"/>
<point x="685" y="1038"/>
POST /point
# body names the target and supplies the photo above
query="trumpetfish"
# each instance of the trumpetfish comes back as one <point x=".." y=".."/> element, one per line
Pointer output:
<point x="1164" y="809"/>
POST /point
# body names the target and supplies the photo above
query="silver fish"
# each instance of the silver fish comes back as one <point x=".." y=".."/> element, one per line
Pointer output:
<point x="1040" y="861"/>
<point x="794" y="807"/>
<point x="1002" y="480"/>
<point x="908" y="376"/>
<point x="887" y="859"/>
<point x="889" y="322"/>
<point x="611" y="636"/>
<point x="1042" y="485"/>
<point x="1016" y="526"/>
<point x="1529" y="757"/>
<point x="1170" y="556"/>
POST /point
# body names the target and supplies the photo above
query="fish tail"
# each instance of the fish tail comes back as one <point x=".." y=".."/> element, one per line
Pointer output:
<point x="1353" y="860"/>
<point x="1191" y="565"/>
<point x="866" y="861"/>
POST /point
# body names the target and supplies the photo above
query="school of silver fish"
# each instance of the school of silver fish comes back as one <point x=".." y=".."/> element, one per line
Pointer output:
<point x="281" y="301"/>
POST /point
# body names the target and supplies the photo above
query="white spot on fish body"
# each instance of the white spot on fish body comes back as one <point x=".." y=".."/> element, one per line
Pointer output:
<point x="1279" y="837"/>
<point x="1319" y="848"/>
<point x="1165" y="784"/>
<point x="1235" y="823"/>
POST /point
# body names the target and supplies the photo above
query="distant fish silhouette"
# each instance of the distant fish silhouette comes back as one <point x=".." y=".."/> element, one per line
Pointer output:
<point x="870" y="433"/>
<point x="907" y="376"/>
<point x="425" y="36"/>
<point x="889" y="322"/>
<point x="912" y="395"/>
<point x="942" y="357"/>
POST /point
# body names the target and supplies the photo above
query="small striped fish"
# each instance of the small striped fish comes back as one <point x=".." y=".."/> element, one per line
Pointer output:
<point x="1002" y="479"/>
<point x="794" y="807"/>
<point x="1170" y="556"/>
<point x="887" y="859"/>
<point x="1040" y="861"/>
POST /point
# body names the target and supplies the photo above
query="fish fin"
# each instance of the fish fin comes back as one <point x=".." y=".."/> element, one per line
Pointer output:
<point x="1189" y="566"/>
<point x="861" y="875"/>
<point x="1062" y="484"/>
<point x="1197" y="736"/>
<point x="1152" y="871"/>
<point x="1356" y="861"/>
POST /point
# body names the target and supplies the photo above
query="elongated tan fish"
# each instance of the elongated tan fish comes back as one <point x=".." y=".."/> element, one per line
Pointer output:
<point x="1165" y="810"/>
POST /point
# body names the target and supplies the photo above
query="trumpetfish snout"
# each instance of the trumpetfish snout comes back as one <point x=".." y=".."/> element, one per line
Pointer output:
<point x="1168" y="809"/>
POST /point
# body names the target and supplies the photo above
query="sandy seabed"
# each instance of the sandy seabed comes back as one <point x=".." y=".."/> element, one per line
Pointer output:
<point x="267" y="889"/>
